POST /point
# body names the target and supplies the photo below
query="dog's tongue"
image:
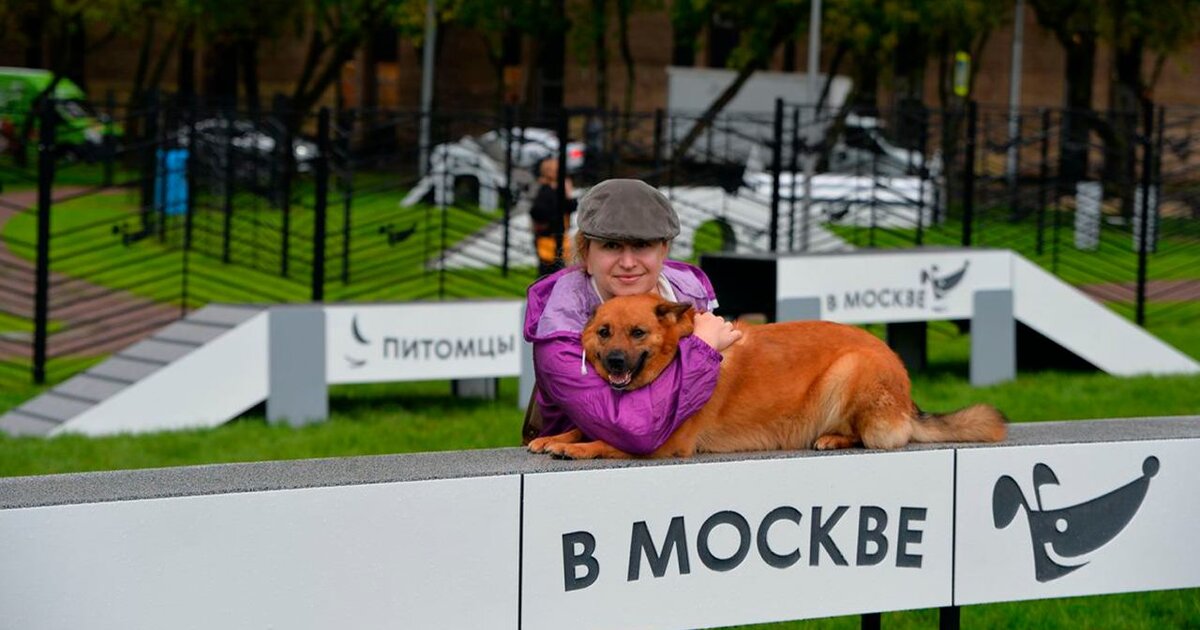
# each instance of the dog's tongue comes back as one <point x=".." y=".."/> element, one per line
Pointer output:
<point x="620" y="380"/>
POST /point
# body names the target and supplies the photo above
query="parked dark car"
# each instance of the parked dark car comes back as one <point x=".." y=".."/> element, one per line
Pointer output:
<point x="253" y="147"/>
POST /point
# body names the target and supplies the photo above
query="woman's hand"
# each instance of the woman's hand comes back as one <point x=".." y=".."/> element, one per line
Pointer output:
<point x="715" y="331"/>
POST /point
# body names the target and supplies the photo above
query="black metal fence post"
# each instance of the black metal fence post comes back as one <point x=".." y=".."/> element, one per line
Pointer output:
<point x="1145" y="236"/>
<point x="924" y="182"/>
<point x="776" y="169"/>
<point x="949" y="617"/>
<point x="108" y="142"/>
<point x="149" y="160"/>
<point x="189" y="175"/>
<point x="1014" y="177"/>
<point x="506" y="198"/>
<point x="228" y="175"/>
<point x="658" y="148"/>
<point x="1043" y="182"/>
<point x="189" y="170"/>
<point x="560" y="190"/>
<point x="286" y="164"/>
<point x="47" y="138"/>
<point x="320" y="205"/>
<point x="675" y="159"/>
<point x="795" y="168"/>
<point x="345" y="130"/>
<point x="969" y="174"/>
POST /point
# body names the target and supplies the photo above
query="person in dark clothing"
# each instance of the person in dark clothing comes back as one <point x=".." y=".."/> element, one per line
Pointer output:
<point x="546" y="217"/>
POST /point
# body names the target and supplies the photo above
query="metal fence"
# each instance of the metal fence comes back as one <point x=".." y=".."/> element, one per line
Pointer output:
<point x="181" y="204"/>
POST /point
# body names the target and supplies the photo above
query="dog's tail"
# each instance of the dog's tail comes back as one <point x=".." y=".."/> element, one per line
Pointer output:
<point x="977" y="423"/>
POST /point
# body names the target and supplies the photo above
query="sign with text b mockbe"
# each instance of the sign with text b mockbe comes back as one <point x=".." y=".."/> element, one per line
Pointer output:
<point x="745" y="542"/>
<point x="1055" y="521"/>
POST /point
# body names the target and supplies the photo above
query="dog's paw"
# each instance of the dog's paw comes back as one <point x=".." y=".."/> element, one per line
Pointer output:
<point x="580" y="450"/>
<point x="833" y="442"/>
<point x="543" y="444"/>
<point x="567" y="451"/>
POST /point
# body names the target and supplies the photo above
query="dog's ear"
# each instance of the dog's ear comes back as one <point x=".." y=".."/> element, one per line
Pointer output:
<point x="671" y="311"/>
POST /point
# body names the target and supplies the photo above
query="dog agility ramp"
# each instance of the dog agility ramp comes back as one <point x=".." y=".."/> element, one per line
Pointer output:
<point x="1089" y="329"/>
<point x="196" y="372"/>
<point x="940" y="283"/>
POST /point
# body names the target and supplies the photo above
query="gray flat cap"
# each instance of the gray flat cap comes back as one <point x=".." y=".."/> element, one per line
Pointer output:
<point x="627" y="210"/>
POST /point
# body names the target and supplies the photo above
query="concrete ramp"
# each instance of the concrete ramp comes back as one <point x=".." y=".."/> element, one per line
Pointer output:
<point x="1089" y="329"/>
<point x="197" y="372"/>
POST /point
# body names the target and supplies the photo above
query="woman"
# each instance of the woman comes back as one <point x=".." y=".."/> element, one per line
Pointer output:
<point x="625" y="232"/>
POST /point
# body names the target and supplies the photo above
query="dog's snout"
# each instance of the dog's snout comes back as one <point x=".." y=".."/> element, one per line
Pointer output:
<point x="615" y="361"/>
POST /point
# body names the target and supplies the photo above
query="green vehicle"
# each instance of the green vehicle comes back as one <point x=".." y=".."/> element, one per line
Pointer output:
<point x="82" y="132"/>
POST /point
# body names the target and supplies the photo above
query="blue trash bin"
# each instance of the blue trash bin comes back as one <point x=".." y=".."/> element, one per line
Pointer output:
<point x="170" y="182"/>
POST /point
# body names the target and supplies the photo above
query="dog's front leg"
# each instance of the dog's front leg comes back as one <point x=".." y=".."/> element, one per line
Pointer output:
<point x="586" y="450"/>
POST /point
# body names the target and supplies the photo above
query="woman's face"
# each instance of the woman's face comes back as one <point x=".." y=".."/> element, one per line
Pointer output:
<point x="625" y="267"/>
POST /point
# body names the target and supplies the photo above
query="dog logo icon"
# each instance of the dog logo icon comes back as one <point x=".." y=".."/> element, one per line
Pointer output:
<point x="943" y="284"/>
<point x="354" y="332"/>
<point x="1071" y="531"/>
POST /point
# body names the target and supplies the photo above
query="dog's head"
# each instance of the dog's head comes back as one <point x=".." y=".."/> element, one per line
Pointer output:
<point x="631" y="339"/>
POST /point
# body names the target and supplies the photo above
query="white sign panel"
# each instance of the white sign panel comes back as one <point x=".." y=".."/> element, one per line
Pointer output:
<point x="900" y="287"/>
<point x="694" y="546"/>
<point x="1082" y="519"/>
<point x="429" y="554"/>
<point x="370" y="343"/>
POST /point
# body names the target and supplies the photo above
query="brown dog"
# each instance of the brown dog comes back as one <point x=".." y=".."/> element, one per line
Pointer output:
<point x="782" y="386"/>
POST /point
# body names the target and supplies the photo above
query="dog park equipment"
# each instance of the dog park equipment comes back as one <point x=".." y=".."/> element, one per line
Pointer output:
<point x="743" y="216"/>
<point x="200" y="371"/>
<point x="223" y="359"/>
<point x="1060" y="509"/>
<point x="743" y="219"/>
<point x="220" y="360"/>
<point x="994" y="289"/>
<point x="477" y="164"/>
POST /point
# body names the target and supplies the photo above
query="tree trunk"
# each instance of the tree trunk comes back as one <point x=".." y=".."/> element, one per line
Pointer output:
<point x="624" y="8"/>
<point x="187" y="64"/>
<point x="33" y="23"/>
<point x="1125" y="106"/>
<point x="551" y="66"/>
<point x="866" y="85"/>
<point x="600" y="46"/>
<point x="248" y="49"/>
<point x="74" y="68"/>
<point x="1078" y="119"/>
<point x="221" y="73"/>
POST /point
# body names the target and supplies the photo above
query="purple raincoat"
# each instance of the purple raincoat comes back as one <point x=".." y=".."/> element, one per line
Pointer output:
<point x="569" y="392"/>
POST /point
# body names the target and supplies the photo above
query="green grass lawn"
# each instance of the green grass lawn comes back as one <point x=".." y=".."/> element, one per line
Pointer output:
<point x="13" y="324"/>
